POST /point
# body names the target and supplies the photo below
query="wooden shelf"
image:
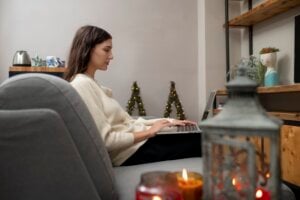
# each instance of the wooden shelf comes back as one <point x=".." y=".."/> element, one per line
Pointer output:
<point x="280" y="89"/>
<point x="263" y="11"/>
<point x="288" y="111"/>
<point x="288" y="116"/>
<point x="222" y="92"/>
<point x="269" y="90"/>
<point x="37" y="69"/>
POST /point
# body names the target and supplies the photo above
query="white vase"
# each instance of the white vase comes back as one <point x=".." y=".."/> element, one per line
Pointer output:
<point x="269" y="59"/>
<point x="271" y="76"/>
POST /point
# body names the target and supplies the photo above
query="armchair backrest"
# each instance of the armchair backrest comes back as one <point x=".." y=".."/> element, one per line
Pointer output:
<point x="29" y="91"/>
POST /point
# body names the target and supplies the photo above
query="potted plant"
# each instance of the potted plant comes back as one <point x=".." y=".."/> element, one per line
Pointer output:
<point x="268" y="50"/>
<point x="268" y="57"/>
<point x="255" y="69"/>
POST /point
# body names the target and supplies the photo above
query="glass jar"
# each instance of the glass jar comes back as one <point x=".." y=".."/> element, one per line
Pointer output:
<point x="158" y="185"/>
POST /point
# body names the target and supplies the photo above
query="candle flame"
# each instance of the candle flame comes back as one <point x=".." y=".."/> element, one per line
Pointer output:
<point x="156" y="198"/>
<point x="233" y="181"/>
<point x="268" y="175"/>
<point x="185" y="174"/>
<point x="259" y="193"/>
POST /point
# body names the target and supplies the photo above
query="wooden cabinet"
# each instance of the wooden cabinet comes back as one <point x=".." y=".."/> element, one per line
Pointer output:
<point x="290" y="158"/>
<point x="58" y="71"/>
<point x="282" y="102"/>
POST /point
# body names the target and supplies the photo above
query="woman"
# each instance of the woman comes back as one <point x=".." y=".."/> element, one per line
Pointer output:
<point x="127" y="140"/>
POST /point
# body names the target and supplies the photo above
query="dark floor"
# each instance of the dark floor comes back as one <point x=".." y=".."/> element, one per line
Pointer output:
<point x="296" y="190"/>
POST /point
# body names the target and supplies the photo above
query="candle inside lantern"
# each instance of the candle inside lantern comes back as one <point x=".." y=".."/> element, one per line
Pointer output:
<point x="262" y="194"/>
<point x="236" y="184"/>
<point x="240" y="182"/>
<point x="190" y="184"/>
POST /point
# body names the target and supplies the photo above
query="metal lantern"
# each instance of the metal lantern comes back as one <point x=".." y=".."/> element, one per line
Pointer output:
<point x="241" y="147"/>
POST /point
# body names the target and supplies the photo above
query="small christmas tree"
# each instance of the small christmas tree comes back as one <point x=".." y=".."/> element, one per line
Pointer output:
<point x="173" y="98"/>
<point x="135" y="98"/>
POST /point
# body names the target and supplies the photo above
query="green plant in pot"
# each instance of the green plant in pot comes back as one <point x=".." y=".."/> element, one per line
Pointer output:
<point x="261" y="70"/>
<point x="255" y="69"/>
<point x="268" y="50"/>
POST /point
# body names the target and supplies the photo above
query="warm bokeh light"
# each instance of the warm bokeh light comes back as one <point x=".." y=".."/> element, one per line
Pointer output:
<point x="268" y="175"/>
<point x="185" y="174"/>
<point x="156" y="198"/>
<point x="233" y="181"/>
<point x="259" y="193"/>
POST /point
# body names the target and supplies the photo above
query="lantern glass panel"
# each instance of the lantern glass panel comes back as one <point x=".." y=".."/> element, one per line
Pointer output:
<point x="239" y="165"/>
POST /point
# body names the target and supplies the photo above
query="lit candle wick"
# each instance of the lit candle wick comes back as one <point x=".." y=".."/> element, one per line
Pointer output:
<point x="259" y="194"/>
<point x="156" y="198"/>
<point x="185" y="174"/>
<point x="233" y="181"/>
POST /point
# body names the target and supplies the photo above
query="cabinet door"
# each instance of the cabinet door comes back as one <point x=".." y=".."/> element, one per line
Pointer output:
<point x="290" y="153"/>
<point x="290" y="156"/>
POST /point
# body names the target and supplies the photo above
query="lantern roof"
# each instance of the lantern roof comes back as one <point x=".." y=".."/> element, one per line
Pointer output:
<point x="242" y="110"/>
<point x="242" y="83"/>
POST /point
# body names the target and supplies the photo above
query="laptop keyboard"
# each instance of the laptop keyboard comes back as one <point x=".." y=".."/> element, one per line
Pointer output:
<point x="187" y="128"/>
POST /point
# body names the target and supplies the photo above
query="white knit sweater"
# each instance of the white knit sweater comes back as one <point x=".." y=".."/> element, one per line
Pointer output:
<point x="114" y="124"/>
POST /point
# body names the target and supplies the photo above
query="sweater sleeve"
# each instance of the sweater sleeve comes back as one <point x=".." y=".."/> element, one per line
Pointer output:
<point x="113" y="139"/>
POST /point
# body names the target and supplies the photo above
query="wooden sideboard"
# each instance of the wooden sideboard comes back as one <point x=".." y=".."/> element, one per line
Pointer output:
<point x="283" y="102"/>
<point x="57" y="71"/>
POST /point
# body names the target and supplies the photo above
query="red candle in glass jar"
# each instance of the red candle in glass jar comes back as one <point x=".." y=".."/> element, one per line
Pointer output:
<point x="158" y="185"/>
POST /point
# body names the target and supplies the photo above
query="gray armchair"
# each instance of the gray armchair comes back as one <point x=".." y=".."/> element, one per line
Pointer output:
<point x="39" y="159"/>
<point x="50" y="148"/>
<point x="40" y="91"/>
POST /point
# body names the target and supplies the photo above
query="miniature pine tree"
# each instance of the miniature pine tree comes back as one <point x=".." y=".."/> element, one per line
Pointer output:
<point x="135" y="98"/>
<point x="173" y="98"/>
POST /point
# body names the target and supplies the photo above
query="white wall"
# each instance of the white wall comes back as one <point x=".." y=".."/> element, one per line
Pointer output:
<point x="154" y="42"/>
<point x="202" y="95"/>
<point x="277" y="32"/>
<point x="234" y="34"/>
<point x="215" y="45"/>
<point x="211" y="42"/>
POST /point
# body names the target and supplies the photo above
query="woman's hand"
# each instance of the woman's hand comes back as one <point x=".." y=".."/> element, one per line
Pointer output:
<point x="151" y="132"/>
<point x="176" y="122"/>
<point x="158" y="125"/>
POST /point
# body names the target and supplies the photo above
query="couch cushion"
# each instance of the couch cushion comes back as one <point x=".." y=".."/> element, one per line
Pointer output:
<point x="28" y="91"/>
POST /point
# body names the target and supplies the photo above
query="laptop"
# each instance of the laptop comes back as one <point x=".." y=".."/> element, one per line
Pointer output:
<point x="191" y="128"/>
<point x="180" y="130"/>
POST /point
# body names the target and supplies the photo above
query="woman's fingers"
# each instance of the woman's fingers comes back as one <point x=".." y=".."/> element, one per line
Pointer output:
<point x="179" y="123"/>
<point x="189" y="122"/>
<point x="164" y="123"/>
<point x="175" y="122"/>
<point x="183" y="122"/>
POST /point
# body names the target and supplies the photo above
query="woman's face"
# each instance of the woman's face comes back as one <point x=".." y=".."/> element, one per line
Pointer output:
<point x="101" y="55"/>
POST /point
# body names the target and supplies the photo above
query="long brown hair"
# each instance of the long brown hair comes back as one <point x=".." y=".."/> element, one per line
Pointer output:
<point x="86" y="38"/>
